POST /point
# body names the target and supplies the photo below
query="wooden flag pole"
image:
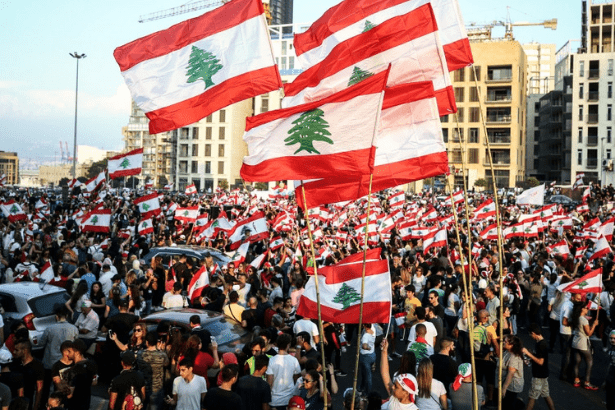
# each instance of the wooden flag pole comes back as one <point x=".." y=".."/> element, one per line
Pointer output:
<point x="356" y="363"/>
<point x="320" y="328"/>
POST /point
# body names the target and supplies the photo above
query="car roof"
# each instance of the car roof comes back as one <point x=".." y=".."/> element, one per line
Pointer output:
<point x="29" y="289"/>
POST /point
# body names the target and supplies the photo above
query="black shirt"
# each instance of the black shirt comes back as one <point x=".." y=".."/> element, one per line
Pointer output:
<point x="121" y="325"/>
<point x="60" y="369"/>
<point x="14" y="380"/>
<point x="218" y="398"/>
<point x="249" y="315"/>
<point x="80" y="377"/>
<point x="32" y="372"/>
<point x="254" y="391"/>
<point x="128" y="381"/>
<point x="444" y="369"/>
<point x="541" y="351"/>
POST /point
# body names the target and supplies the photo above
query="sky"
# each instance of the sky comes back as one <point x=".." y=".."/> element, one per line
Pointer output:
<point x="37" y="74"/>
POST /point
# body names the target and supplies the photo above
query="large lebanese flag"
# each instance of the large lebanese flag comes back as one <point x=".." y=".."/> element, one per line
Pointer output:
<point x="47" y="273"/>
<point x="340" y="291"/>
<point x="149" y="205"/>
<point x="13" y="211"/>
<point x="93" y="184"/>
<point x="606" y="229"/>
<point x="188" y="214"/>
<point x="97" y="221"/>
<point x="333" y="136"/>
<point x="409" y="147"/>
<point x="561" y="248"/>
<point x="409" y="42"/>
<point x="434" y="239"/>
<point x="485" y="210"/>
<point x="590" y="283"/>
<point x="256" y="224"/>
<point x="601" y="248"/>
<point x="145" y="226"/>
<point x="350" y="18"/>
<point x="199" y="281"/>
<point x="181" y="75"/>
<point x="126" y="164"/>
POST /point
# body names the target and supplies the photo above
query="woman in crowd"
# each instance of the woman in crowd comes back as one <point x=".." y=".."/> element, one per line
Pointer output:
<point x="512" y="371"/>
<point x="74" y="303"/>
<point x="581" y="345"/>
<point x="367" y="357"/>
<point x="312" y="391"/>
<point x="99" y="302"/>
<point x="432" y="393"/>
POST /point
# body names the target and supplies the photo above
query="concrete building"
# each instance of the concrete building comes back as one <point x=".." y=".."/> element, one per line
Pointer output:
<point x="592" y="97"/>
<point x="29" y="178"/>
<point x="540" y="67"/>
<point x="499" y="97"/>
<point x="9" y="166"/>
<point x="52" y="174"/>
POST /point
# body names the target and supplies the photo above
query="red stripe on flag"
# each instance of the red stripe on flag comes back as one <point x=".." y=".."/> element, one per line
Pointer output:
<point x="373" y="312"/>
<point x="343" y="273"/>
<point x="125" y="173"/>
<point x="133" y="152"/>
<point x="187" y="32"/>
<point x="407" y="93"/>
<point x="446" y="100"/>
<point x="458" y="54"/>
<point x="213" y="99"/>
<point x="375" y="41"/>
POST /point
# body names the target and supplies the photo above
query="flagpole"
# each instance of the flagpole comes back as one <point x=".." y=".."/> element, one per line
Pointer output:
<point x="320" y="328"/>
<point x="356" y="363"/>
<point x="468" y="304"/>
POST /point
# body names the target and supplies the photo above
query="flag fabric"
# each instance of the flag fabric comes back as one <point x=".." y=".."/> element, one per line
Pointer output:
<point x="409" y="42"/>
<point x="127" y="164"/>
<point x="168" y="187"/>
<point x="435" y="239"/>
<point x="580" y="252"/>
<point x="259" y="260"/>
<point x="149" y="185"/>
<point x="13" y="211"/>
<point x="490" y="232"/>
<point x="191" y="189"/>
<point x="458" y="197"/>
<point x="578" y="180"/>
<point x="586" y="194"/>
<point x="41" y="203"/>
<point x="199" y="281"/>
<point x="97" y="220"/>
<point x="513" y="231"/>
<point x="74" y="184"/>
<point x="532" y="196"/>
<point x="485" y="210"/>
<point x="606" y="229"/>
<point x="351" y="18"/>
<point x="145" y="226"/>
<point x="590" y="283"/>
<point x="46" y="272"/>
<point x="252" y="229"/>
<point x="2" y="179"/>
<point x="560" y="248"/>
<point x="149" y="205"/>
<point x="95" y="183"/>
<point x="340" y="287"/>
<point x="583" y="208"/>
<point x="187" y="214"/>
<point x="181" y="75"/>
<point x="312" y="140"/>
<point x="409" y="144"/>
<point x="476" y="250"/>
<point x="276" y="243"/>
<point x="601" y="248"/>
<point x="240" y="254"/>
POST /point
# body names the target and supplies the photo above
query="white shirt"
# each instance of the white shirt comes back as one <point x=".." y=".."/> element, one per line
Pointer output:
<point x="370" y="340"/>
<point x="306" y="325"/>
<point x="89" y="322"/>
<point x="566" y="313"/>
<point x="283" y="368"/>
<point x="429" y="403"/>
<point x="106" y="282"/>
<point x="170" y="301"/>
<point x="189" y="394"/>
<point x="429" y="336"/>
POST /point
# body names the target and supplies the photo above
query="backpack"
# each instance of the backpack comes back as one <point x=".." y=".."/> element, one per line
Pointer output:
<point x="132" y="400"/>
<point x="481" y="342"/>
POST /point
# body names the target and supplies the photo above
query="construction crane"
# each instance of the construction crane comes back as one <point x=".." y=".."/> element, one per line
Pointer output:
<point x="483" y="31"/>
<point x="61" y="153"/>
<point x="191" y="7"/>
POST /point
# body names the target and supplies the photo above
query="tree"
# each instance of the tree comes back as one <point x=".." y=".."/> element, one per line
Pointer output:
<point x="261" y="186"/>
<point x="368" y="26"/>
<point x="96" y="168"/>
<point x="64" y="182"/>
<point x="309" y="127"/>
<point x="481" y="183"/>
<point x="346" y="296"/>
<point x="358" y="75"/>
<point x="202" y="65"/>
<point x="532" y="182"/>
<point x="223" y="184"/>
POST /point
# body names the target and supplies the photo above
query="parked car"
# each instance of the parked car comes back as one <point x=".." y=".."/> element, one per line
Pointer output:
<point x="196" y="253"/>
<point x="562" y="200"/>
<point x="33" y="303"/>
<point x="228" y="336"/>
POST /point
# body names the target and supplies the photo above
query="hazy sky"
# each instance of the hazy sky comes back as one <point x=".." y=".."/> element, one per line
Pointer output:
<point x="37" y="75"/>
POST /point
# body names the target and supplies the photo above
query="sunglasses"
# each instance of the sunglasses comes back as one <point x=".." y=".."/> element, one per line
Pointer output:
<point x="308" y="381"/>
<point x="138" y="330"/>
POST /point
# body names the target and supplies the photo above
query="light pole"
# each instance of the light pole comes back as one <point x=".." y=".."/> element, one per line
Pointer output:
<point x="78" y="57"/>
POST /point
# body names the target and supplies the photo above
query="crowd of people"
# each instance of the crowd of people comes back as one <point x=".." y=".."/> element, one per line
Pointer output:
<point x="99" y="335"/>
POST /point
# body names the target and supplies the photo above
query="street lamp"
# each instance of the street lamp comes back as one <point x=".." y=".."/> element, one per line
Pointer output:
<point x="78" y="57"/>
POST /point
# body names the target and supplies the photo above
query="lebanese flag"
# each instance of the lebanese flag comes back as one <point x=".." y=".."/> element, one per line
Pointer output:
<point x="74" y="184"/>
<point x="435" y="239"/>
<point x="490" y="232"/>
<point x="583" y="208"/>
<point x="409" y="42"/>
<point x="560" y="248"/>
<point x="191" y="189"/>
<point x="257" y="224"/>
<point x="564" y="222"/>
<point x="409" y="148"/>
<point x="397" y="199"/>
<point x="513" y="231"/>
<point x="349" y="19"/>
<point x="590" y="283"/>
<point x="46" y="274"/>
<point x="476" y="250"/>
<point x="149" y="205"/>
<point x="41" y="203"/>
<point x="13" y="211"/>
<point x="94" y="183"/>
<point x="530" y="230"/>
<point x="592" y="225"/>
<point x="276" y="243"/>
<point x="199" y="282"/>
<point x="145" y="226"/>
<point x="578" y="180"/>
<point x="485" y="210"/>
<point x="313" y="140"/>
<point x="340" y="287"/>
<point x="259" y="260"/>
<point x="201" y="221"/>
<point x="606" y="229"/>
<point x="181" y="75"/>
<point x="586" y="194"/>
<point x="188" y="214"/>
<point x="149" y="185"/>
<point x="168" y="187"/>
<point x="458" y="198"/>
<point x="601" y="248"/>
<point x="2" y="179"/>
<point x="126" y="164"/>
<point x="97" y="221"/>
<point x="240" y="254"/>
<point x="580" y="252"/>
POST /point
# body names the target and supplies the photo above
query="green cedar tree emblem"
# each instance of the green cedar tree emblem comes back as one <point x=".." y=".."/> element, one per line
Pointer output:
<point x="125" y="164"/>
<point x="94" y="220"/>
<point x="185" y="213"/>
<point x="514" y="229"/>
<point x="146" y="207"/>
<point x="358" y="75"/>
<point x="346" y="295"/>
<point x="464" y="368"/>
<point x="419" y="349"/>
<point x="309" y="127"/>
<point x="368" y="26"/>
<point x="582" y="284"/>
<point x="14" y="209"/>
<point x="202" y="65"/>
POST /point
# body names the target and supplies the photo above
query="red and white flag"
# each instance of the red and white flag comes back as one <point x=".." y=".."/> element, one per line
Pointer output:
<point x="95" y="183"/>
<point x="13" y="211"/>
<point x="397" y="199"/>
<point x="586" y="194"/>
<point x="149" y="205"/>
<point x="97" y="221"/>
<point x="198" y="283"/>
<point x="3" y="180"/>
<point x="409" y="40"/>
<point x="145" y="226"/>
<point x="560" y="248"/>
<point x="340" y="291"/>
<point x="259" y="260"/>
<point x="578" y="180"/>
<point x="240" y="253"/>
<point x="191" y="189"/>
<point x="276" y="243"/>
<point x="490" y="232"/>
<point x="288" y="143"/>
<point x="252" y="229"/>
<point x="181" y="75"/>
<point x="435" y="239"/>
<point x="582" y="208"/>
<point x="168" y="187"/>
<point x="126" y="164"/>
<point x="46" y="272"/>
<point x="74" y="184"/>
<point x="580" y="252"/>
<point x="476" y="250"/>
<point x="149" y="185"/>
<point x="458" y="198"/>
<point x="606" y="229"/>
<point x="590" y="283"/>
<point x="513" y="231"/>
<point x="601" y="248"/>
<point x="187" y="214"/>
<point x="485" y="210"/>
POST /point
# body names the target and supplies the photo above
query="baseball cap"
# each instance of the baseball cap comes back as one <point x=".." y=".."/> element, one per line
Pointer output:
<point x="5" y="356"/>
<point x="296" y="402"/>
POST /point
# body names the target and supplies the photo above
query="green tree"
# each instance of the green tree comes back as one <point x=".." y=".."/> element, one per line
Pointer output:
<point x="96" y="168"/>
<point x="261" y="186"/>
<point x="346" y="296"/>
<point x="223" y="184"/>
<point x="358" y="75"/>
<point x="202" y="65"/>
<point x="64" y="182"/>
<point x="309" y="127"/>
<point x="481" y="183"/>
<point x="532" y="182"/>
<point x="368" y="26"/>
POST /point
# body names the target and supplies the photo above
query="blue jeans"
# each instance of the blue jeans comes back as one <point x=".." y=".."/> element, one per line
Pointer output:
<point x="156" y="400"/>
<point x="365" y="371"/>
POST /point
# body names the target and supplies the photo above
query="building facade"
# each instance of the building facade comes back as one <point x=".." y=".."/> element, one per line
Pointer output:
<point x="52" y="174"/>
<point x="9" y="166"/>
<point x="494" y="89"/>
<point x="540" y="67"/>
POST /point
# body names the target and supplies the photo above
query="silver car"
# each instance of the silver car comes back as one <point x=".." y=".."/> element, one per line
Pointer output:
<point x="34" y="304"/>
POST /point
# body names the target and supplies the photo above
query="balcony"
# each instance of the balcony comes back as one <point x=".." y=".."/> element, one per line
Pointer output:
<point x="497" y="162"/>
<point x="594" y="73"/>
<point x="593" y="96"/>
<point x="498" y="119"/>
<point x="499" y="139"/>
<point x="592" y="119"/>
<point x="592" y="141"/>
<point x="592" y="163"/>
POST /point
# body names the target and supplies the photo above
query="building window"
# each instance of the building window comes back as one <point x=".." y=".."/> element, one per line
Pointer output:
<point x="264" y="105"/>
<point x="222" y="115"/>
<point x="183" y="150"/>
<point x="457" y="134"/>
<point x="473" y="156"/>
<point x="473" y="135"/>
<point x="208" y="150"/>
<point x="221" y="150"/>
<point x="444" y="118"/>
<point x="459" y="91"/>
<point x="609" y="90"/>
<point x="608" y="154"/>
<point x="220" y="167"/>
<point x="208" y="167"/>
<point x="580" y="113"/>
<point x="195" y="150"/>
<point x="474" y="114"/>
<point x="580" y="157"/>
<point x="460" y="116"/>
<point x="195" y="133"/>
<point x="456" y="156"/>
<point x="195" y="167"/>
<point x="610" y="67"/>
<point x="608" y="135"/>
<point x="208" y="133"/>
<point x="445" y="134"/>
<point x="476" y="69"/>
<point x="473" y="94"/>
<point x="609" y="112"/>
<point x="183" y="167"/>
<point x="581" y="90"/>
<point x="221" y="133"/>
<point x="580" y="140"/>
<point x="459" y="75"/>
<point x="499" y="73"/>
<point x="210" y="118"/>
<point x="581" y="68"/>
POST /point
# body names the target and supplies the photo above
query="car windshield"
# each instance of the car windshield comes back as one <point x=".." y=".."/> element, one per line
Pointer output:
<point x="45" y="305"/>
<point x="223" y="331"/>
